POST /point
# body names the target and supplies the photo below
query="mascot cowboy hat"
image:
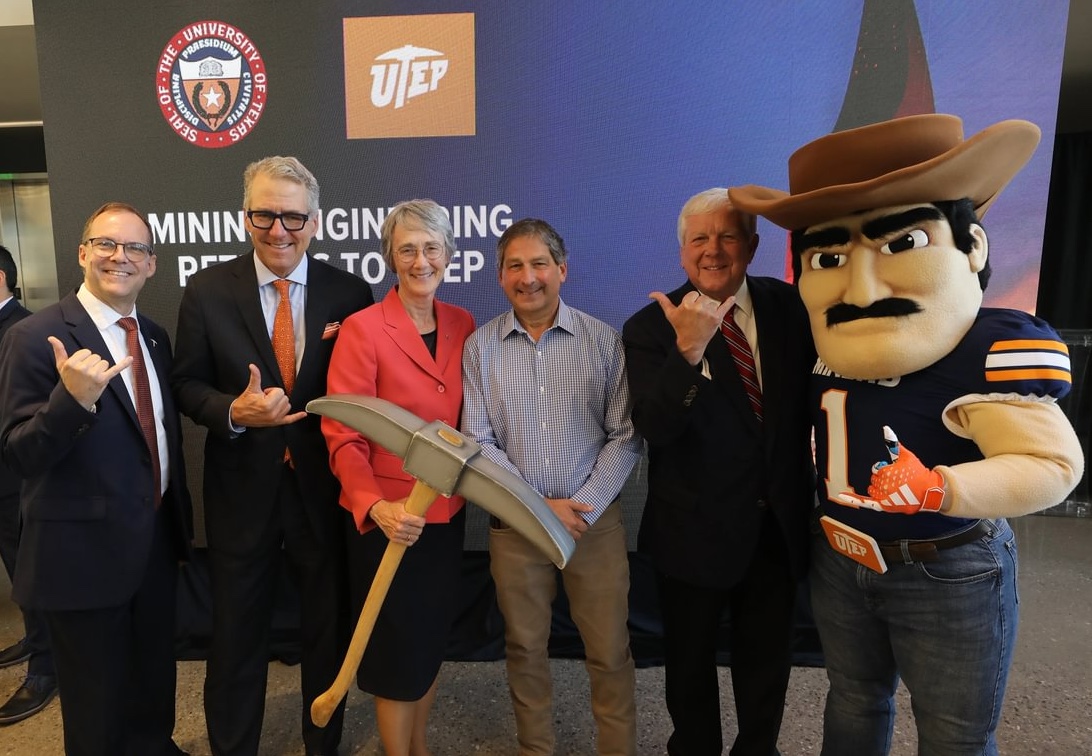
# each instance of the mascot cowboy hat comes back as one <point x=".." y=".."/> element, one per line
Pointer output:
<point x="921" y="158"/>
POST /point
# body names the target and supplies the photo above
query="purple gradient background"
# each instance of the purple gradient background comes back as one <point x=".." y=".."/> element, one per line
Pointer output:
<point x="602" y="118"/>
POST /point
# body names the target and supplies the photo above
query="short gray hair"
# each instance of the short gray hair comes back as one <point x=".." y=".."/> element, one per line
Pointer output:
<point x="712" y="200"/>
<point x="279" y="166"/>
<point x="416" y="214"/>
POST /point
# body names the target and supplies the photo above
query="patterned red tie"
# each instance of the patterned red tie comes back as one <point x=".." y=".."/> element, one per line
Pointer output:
<point x="284" y="337"/>
<point x="745" y="360"/>
<point x="143" y="391"/>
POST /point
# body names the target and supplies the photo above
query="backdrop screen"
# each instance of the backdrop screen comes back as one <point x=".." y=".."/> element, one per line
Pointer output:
<point x="602" y="118"/>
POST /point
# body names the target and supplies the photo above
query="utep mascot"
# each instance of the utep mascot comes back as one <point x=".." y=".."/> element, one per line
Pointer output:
<point x="935" y="419"/>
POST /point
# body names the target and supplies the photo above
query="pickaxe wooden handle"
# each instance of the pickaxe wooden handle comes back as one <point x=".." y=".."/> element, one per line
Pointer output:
<point x="420" y="499"/>
<point x="443" y="461"/>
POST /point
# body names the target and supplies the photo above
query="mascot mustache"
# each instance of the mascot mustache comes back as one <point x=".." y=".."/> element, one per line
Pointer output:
<point x="883" y="308"/>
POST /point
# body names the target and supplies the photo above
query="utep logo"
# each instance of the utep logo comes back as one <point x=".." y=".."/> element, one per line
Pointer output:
<point x="417" y="70"/>
<point x="858" y="546"/>
<point x="410" y="76"/>
<point x="847" y="544"/>
<point x="211" y="84"/>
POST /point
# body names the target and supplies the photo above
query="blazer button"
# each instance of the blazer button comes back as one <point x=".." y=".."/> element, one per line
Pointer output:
<point x="441" y="388"/>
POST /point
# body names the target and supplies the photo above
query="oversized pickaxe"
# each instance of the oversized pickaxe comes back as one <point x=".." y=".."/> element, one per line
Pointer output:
<point x="443" y="461"/>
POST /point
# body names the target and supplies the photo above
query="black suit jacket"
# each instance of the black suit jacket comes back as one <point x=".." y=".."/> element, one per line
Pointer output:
<point x="10" y="314"/>
<point x="713" y="467"/>
<point x="88" y="480"/>
<point x="221" y="329"/>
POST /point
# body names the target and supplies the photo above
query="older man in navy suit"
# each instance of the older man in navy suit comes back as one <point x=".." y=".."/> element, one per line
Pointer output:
<point x="87" y="420"/>
<point x="255" y="337"/>
<point x="718" y="369"/>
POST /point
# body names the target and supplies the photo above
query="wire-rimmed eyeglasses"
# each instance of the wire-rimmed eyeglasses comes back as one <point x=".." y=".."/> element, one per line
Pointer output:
<point x="408" y="252"/>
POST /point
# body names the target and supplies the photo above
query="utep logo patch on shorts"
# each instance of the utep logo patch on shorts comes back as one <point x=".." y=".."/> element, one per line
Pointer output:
<point x="410" y="76"/>
<point x="211" y="84"/>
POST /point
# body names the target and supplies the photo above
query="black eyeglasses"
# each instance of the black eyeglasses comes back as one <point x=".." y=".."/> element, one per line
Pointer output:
<point x="135" y="252"/>
<point x="264" y="219"/>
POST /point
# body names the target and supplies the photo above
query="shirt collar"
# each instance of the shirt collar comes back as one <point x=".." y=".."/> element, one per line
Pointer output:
<point x="563" y="320"/>
<point x="266" y="276"/>
<point x="102" y="315"/>
<point x="743" y="300"/>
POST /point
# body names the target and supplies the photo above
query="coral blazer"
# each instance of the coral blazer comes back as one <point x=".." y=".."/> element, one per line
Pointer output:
<point x="380" y="353"/>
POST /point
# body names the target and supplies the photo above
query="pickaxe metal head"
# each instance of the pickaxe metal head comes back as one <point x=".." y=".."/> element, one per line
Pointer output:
<point x="441" y="457"/>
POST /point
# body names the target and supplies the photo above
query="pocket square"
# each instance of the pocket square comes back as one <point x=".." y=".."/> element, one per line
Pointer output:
<point x="330" y="330"/>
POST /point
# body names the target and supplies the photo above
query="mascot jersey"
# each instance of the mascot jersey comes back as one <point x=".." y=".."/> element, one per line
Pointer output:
<point x="1006" y="355"/>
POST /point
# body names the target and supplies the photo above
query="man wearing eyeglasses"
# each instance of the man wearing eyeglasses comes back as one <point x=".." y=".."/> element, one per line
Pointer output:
<point x="88" y="421"/>
<point x="249" y="359"/>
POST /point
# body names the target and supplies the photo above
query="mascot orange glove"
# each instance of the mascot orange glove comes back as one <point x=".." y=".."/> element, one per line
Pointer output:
<point x="903" y="485"/>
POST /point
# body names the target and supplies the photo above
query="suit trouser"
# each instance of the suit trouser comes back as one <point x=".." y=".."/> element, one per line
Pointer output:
<point x="597" y="584"/>
<point x="35" y="630"/>
<point x="116" y="667"/>
<point x="761" y="606"/>
<point x="244" y="590"/>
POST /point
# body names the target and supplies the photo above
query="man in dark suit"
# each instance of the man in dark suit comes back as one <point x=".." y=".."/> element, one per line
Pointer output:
<point x="88" y="422"/>
<point x="40" y="685"/>
<point x="730" y="474"/>
<point x="267" y="480"/>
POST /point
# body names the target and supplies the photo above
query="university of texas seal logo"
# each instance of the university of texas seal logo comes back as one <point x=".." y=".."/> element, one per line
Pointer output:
<point x="211" y="84"/>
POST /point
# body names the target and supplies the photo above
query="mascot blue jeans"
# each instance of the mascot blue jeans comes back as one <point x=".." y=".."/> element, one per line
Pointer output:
<point x="947" y="627"/>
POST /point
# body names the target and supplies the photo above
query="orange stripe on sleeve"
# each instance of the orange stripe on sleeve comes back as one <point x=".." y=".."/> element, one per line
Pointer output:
<point x="1029" y="344"/>
<point x="1028" y="374"/>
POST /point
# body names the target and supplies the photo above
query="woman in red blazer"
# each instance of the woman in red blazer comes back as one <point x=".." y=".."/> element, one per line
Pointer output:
<point x="406" y="349"/>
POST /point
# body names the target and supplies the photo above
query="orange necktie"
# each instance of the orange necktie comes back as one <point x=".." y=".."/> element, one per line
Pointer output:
<point x="284" y="337"/>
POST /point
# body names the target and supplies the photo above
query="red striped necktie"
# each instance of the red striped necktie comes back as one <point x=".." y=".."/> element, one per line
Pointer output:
<point x="744" y="358"/>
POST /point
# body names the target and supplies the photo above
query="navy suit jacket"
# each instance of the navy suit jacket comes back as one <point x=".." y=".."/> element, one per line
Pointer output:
<point x="221" y="328"/>
<point x="88" y="479"/>
<point x="713" y="467"/>
<point x="10" y="314"/>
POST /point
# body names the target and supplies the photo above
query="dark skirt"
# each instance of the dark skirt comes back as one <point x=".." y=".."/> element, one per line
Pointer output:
<point x="411" y="632"/>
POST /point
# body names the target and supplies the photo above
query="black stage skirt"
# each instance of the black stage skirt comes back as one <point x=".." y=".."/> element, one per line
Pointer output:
<point x="411" y="632"/>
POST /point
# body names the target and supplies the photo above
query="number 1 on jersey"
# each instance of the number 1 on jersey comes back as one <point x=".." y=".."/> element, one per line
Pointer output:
<point x="833" y="404"/>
